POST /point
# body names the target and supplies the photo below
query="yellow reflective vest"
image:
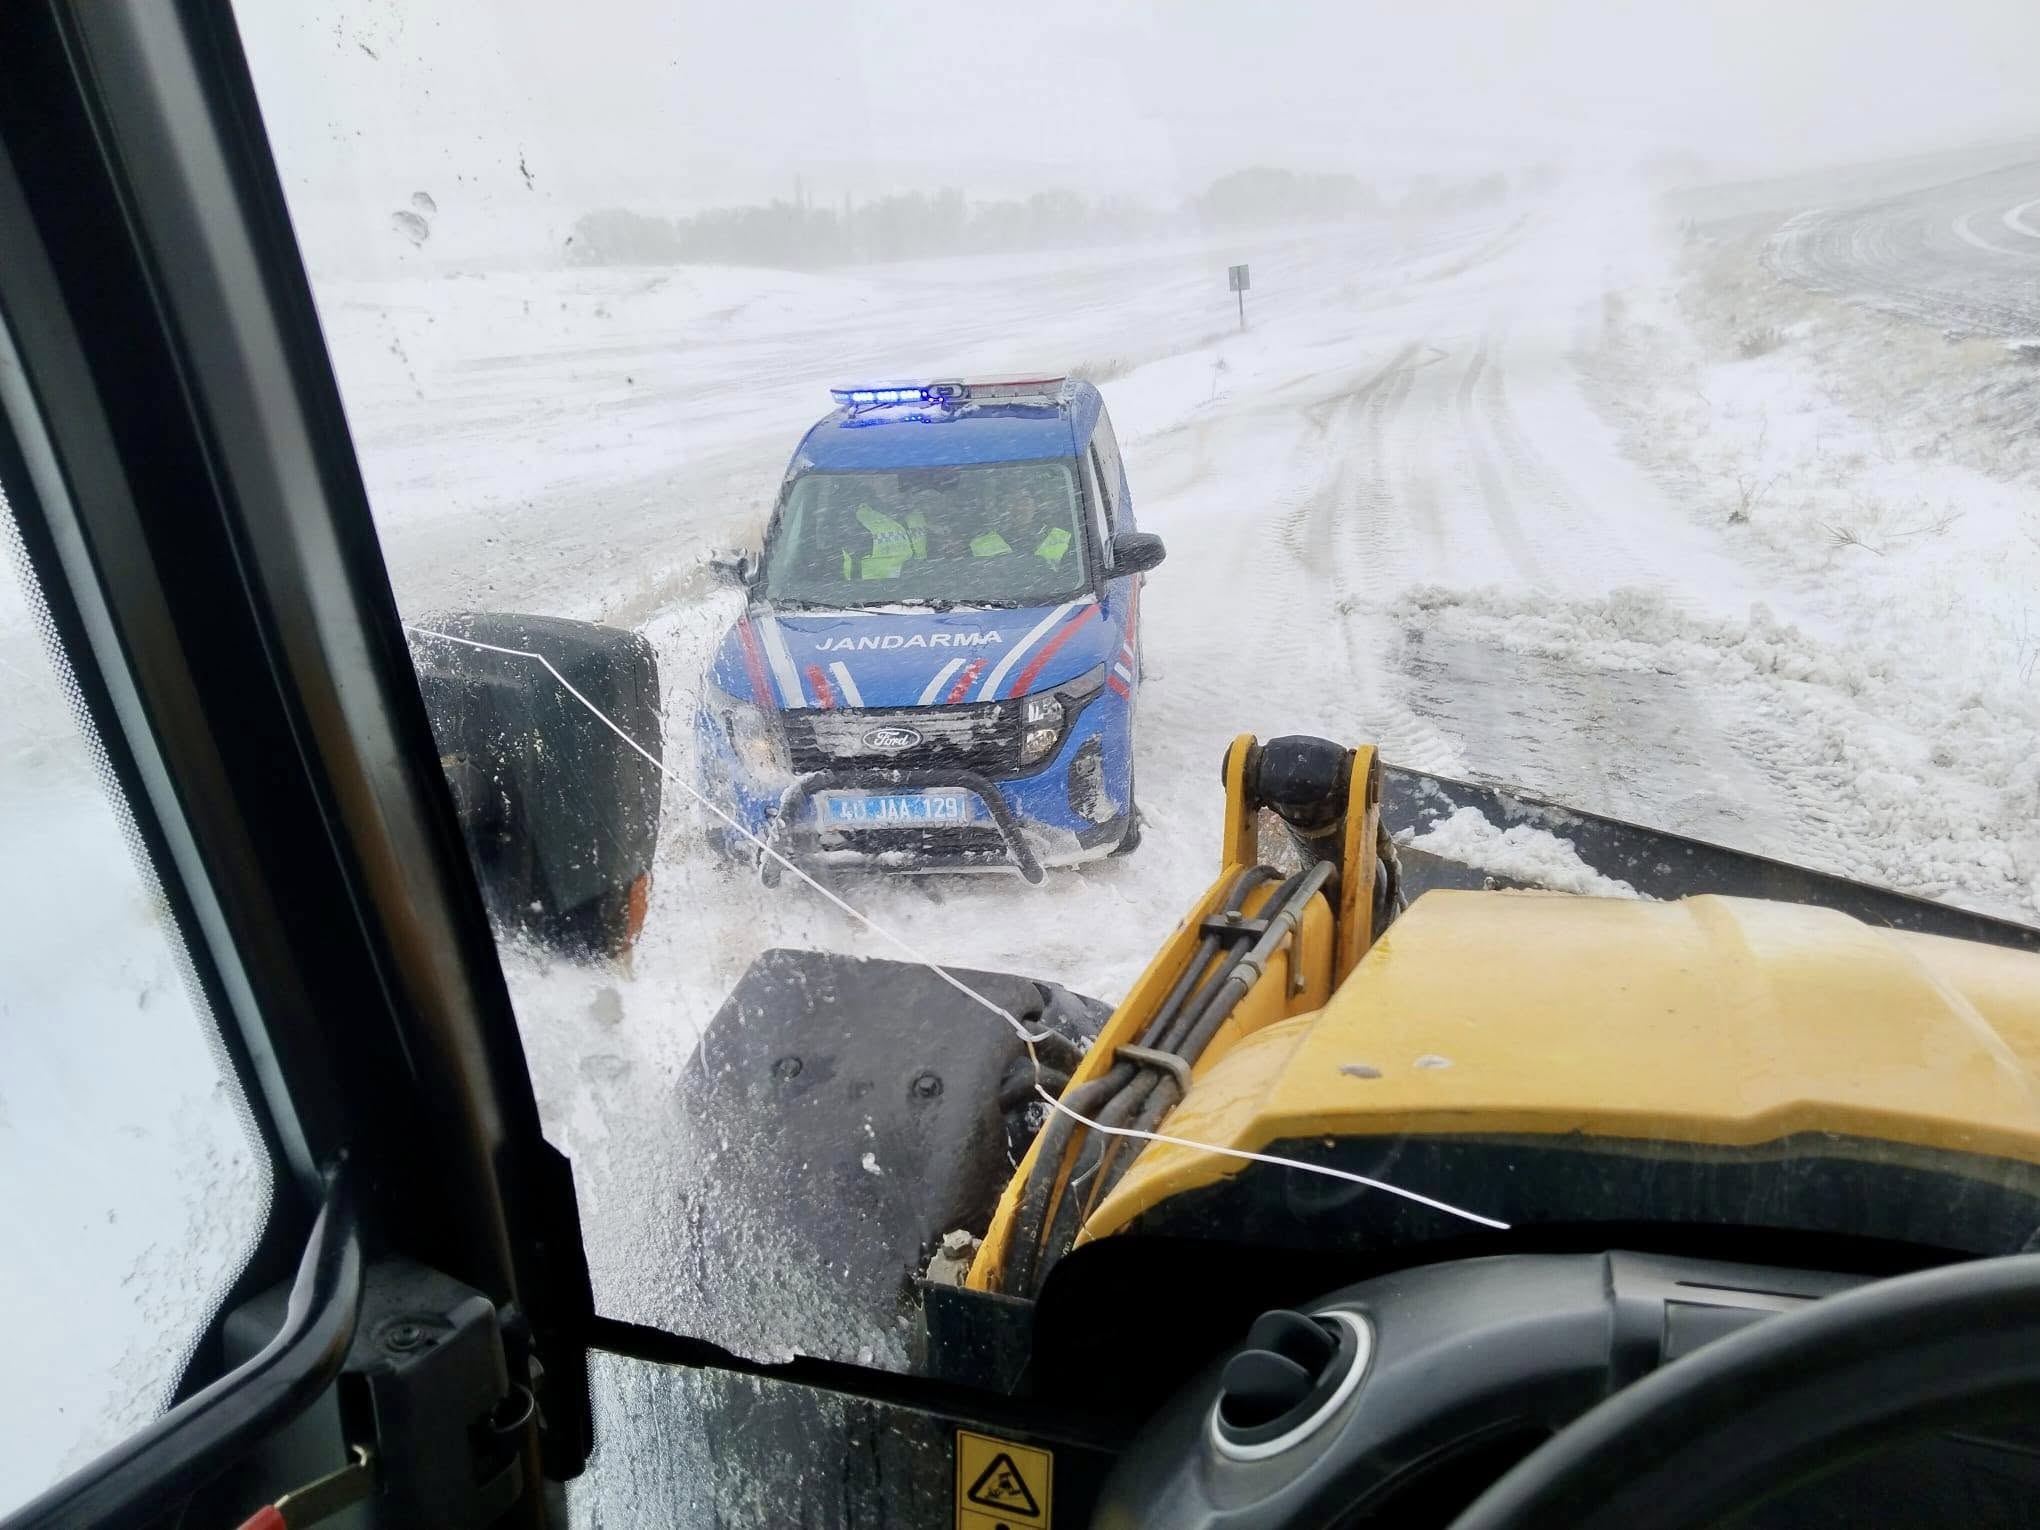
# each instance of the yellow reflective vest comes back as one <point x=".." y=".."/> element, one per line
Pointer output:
<point x="893" y="542"/>
<point x="1054" y="544"/>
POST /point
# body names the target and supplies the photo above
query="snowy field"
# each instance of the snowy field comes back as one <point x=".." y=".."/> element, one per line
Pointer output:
<point x="1548" y="495"/>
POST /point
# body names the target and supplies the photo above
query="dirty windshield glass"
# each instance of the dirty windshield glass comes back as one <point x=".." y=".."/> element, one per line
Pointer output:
<point x="1004" y="535"/>
<point x="1619" y="416"/>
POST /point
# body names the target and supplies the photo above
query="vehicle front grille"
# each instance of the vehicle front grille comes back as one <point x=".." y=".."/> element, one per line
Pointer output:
<point x="982" y="738"/>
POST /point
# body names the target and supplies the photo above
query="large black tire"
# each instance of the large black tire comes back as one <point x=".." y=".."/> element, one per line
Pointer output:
<point x="1130" y="840"/>
<point x="561" y="816"/>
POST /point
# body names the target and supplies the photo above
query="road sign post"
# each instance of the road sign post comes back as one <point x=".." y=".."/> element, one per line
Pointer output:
<point x="1236" y="278"/>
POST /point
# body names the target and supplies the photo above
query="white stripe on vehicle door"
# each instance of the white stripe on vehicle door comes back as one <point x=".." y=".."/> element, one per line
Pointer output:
<point x="851" y="696"/>
<point x="998" y="676"/>
<point x="942" y="678"/>
<point x="790" y="693"/>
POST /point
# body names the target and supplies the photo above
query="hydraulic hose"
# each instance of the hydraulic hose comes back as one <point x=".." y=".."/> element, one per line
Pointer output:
<point x="1288" y="906"/>
<point x="1156" y="1032"/>
<point x="1151" y="1093"/>
<point x="1023" y="1244"/>
<point x="1128" y="1104"/>
<point x="1163" y="1096"/>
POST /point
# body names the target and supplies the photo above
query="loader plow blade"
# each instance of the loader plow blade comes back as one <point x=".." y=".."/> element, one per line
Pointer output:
<point x="1656" y="863"/>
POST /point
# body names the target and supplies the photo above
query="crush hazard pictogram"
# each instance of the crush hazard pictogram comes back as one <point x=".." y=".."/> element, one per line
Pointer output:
<point x="1001" y="1485"/>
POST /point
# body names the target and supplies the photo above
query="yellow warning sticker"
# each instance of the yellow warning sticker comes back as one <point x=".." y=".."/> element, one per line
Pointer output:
<point x="1001" y="1485"/>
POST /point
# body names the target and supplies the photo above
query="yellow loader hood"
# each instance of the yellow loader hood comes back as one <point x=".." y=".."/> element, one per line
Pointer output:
<point x="1317" y="1060"/>
<point x="1539" y="1057"/>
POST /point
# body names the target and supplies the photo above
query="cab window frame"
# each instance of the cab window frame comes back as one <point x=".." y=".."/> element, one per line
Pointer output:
<point x="250" y="681"/>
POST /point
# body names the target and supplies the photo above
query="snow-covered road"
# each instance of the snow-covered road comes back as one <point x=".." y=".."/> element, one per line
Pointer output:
<point x="1965" y="254"/>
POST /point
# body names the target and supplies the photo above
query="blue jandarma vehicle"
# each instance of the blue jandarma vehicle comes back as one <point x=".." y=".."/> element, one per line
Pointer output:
<point x="940" y="658"/>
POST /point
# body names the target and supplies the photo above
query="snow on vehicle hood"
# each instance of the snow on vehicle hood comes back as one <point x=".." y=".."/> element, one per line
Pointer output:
<point x="904" y="658"/>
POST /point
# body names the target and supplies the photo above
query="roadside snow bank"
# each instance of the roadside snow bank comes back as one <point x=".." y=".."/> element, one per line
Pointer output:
<point x="1880" y="475"/>
<point x="1932" y="789"/>
<point x="1520" y="852"/>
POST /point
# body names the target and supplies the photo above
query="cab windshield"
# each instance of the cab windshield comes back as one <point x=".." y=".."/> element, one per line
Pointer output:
<point x="1612" y="409"/>
<point x="1003" y="534"/>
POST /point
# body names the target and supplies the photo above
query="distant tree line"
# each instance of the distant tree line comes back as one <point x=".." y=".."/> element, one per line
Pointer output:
<point x="1284" y="196"/>
<point x="804" y="234"/>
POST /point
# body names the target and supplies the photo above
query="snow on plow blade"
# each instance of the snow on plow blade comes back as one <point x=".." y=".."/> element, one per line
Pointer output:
<point x="1460" y="834"/>
<point x="840" y="1114"/>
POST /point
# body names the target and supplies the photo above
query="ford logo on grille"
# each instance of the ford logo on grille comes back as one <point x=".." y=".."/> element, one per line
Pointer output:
<point x="891" y="740"/>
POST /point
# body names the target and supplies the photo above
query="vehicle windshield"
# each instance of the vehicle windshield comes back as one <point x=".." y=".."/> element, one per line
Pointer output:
<point x="1615" y="413"/>
<point x="1002" y="534"/>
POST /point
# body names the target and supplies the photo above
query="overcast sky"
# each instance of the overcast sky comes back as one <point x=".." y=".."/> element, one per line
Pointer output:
<point x="673" y="104"/>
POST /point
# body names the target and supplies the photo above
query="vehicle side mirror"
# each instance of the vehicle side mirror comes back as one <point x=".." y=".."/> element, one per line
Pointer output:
<point x="560" y="816"/>
<point x="1135" y="552"/>
<point x="732" y="568"/>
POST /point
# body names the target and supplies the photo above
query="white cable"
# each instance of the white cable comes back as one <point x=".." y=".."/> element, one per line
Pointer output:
<point x="1275" y="1158"/>
<point x="1020" y="1030"/>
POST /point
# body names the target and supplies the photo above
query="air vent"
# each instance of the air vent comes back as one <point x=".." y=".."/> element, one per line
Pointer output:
<point x="1295" y="1371"/>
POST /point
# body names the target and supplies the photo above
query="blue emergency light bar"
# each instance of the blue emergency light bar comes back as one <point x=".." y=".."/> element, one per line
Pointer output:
<point x="899" y="393"/>
<point x="863" y="395"/>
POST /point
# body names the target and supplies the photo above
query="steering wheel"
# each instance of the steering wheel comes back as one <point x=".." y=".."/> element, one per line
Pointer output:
<point x="1785" y="1400"/>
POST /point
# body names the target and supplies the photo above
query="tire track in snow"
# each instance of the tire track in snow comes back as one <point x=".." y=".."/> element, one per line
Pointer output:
<point x="1370" y="562"/>
<point x="1413" y="457"/>
<point x="1651" y="745"/>
<point x="1416" y="477"/>
<point x="1373" y="541"/>
<point x="1305" y="525"/>
<point x="1338" y="528"/>
<point x="1596" y="554"/>
<point x="1494" y="487"/>
<point x="1550" y="714"/>
<point x="1597" y="539"/>
<point x="1946" y="254"/>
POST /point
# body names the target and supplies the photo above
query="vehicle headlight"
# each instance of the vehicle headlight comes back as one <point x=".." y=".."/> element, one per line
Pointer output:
<point x="753" y="735"/>
<point x="1046" y="714"/>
